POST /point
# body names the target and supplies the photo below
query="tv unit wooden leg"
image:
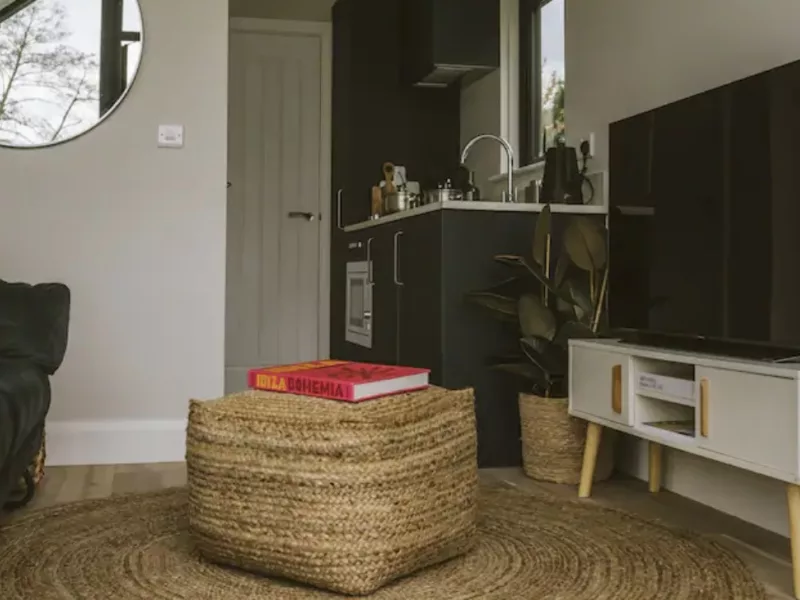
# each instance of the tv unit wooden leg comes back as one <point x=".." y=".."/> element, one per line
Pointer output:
<point x="656" y="454"/>
<point x="793" y="497"/>
<point x="594" y="433"/>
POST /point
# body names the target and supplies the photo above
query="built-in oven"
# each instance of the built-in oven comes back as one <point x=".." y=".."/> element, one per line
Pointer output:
<point x="359" y="302"/>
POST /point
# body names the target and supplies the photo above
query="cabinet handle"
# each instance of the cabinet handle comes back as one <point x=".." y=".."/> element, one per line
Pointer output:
<point x="295" y="214"/>
<point x="370" y="281"/>
<point x="339" y="209"/>
<point x="396" y="245"/>
<point x="704" y="407"/>
<point x="616" y="389"/>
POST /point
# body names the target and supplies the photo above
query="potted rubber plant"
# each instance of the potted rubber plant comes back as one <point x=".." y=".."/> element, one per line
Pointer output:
<point x="555" y="294"/>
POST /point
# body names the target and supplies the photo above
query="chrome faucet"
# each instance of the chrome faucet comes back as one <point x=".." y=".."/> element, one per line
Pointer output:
<point x="510" y="195"/>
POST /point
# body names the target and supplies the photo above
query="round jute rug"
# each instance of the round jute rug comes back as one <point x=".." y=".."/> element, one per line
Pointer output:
<point x="531" y="548"/>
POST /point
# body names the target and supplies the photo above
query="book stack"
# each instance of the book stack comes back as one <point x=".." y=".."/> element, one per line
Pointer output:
<point x="339" y="380"/>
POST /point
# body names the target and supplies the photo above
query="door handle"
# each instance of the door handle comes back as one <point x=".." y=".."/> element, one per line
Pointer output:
<point x="396" y="245"/>
<point x="339" y="209"/>
<point x="302" y="215"/>
<point x="370" y="281"/>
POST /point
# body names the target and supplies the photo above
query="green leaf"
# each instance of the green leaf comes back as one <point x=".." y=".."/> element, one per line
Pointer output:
<point x="573" y="331"/>
<point x="534" y="343"/>
<point x="562" y="268"/>
<point x="519" y="262"/>
<point x="496" y="303"/>
<point x="517" y="365"/>
<point x="567" y="310"/>
<point x="513" y="287"/>
<point x="552" y="359"/>
<point x="500" y="306"/>
<point x="585" y="242"/>
<point x="579" y="292"/>
<point x="535" y="319"/>
<point x="540" y="236"/>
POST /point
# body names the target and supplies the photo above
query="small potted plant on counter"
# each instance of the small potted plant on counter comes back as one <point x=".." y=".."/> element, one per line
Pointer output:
<point x="550" y="306"/>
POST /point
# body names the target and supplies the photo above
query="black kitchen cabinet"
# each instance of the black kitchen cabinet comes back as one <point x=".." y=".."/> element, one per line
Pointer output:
<point x="420" y="270"/>
<point x="384" y="294"/>
<point x="343" y="161"/>
<point x="374" y="246"/>
<point x="406" y="263"/>
<point x="338" y="268"/>
<point x="377" y="116"/>
<point x="447" y="41"/>
<point x="423" y="266"/>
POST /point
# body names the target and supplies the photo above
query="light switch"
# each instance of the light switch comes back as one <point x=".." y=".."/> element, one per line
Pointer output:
<point x="170" y="136"/>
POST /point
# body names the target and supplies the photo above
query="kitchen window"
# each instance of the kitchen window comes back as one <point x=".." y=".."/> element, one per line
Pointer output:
<point x="542" y="76"/>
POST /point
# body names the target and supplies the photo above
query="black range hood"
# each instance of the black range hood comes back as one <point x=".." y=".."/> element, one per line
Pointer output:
<point x="445" y="41"/>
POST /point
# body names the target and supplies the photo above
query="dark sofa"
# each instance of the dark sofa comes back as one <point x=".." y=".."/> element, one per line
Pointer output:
<point x="34" y="325"/>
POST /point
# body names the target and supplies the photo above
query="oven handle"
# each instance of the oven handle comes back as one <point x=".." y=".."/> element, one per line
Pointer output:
<point x="396" y="245"/>
<point x="370" y="281"/>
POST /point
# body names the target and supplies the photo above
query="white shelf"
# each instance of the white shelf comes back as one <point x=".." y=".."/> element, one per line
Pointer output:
<point x="519" y="207"/>
<point x="746" y="411"/>
<point x="656" y="395"/>
<point x="670" y="438"/>
<point x="760" y="367"/>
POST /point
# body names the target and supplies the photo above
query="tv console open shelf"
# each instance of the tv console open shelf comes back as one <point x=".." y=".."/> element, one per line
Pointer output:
<point x="744" y="413"/>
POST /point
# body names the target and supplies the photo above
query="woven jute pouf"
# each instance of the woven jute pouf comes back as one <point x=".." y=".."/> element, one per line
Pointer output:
<point x="340" y="496"/>
<point x="553" y="442"/>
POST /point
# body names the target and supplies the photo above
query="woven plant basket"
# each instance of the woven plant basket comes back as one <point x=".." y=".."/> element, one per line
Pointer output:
<point x="345" y="497"/>
<point x="553" y="442"/>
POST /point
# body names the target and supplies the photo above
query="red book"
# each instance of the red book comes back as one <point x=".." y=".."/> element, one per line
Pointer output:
<point x="339" y="380"/>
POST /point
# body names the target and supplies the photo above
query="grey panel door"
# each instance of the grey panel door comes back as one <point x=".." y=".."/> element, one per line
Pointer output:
<point x="273" y="266"/>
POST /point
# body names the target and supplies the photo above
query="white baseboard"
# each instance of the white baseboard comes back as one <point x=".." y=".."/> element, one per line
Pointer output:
<point x="115" y="442"/>
<point x="742" y="494"/>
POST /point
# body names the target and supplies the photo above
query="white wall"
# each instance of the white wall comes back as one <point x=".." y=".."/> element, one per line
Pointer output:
<point x="296" y="10"/>
<point x="138" y="233"/>
<point x="628" y="56"/>
<point x="481" y="113"/>
<point x="490" y="104"/>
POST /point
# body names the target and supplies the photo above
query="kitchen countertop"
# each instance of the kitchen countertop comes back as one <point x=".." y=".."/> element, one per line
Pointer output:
<point x="577" y="209"/>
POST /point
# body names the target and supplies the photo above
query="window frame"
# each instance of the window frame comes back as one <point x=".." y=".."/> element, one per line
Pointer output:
<point x="530" y="80"/>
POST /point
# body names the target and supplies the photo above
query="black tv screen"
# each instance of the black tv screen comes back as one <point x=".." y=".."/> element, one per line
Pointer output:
<point x="705" y="213"/>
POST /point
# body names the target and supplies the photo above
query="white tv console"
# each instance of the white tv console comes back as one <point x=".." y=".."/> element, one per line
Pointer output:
<point x="744" y="413"/>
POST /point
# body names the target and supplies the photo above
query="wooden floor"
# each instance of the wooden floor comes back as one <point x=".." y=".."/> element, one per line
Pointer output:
<point x="767" y="554"/>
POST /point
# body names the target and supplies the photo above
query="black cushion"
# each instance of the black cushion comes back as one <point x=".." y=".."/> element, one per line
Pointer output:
<point x="24" y="402"/>
<point x="34" y="323"/>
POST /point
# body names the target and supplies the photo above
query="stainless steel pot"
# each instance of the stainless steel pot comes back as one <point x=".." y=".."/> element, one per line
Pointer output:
<point x="399" y="201"/>
<point x="443" y="195"/>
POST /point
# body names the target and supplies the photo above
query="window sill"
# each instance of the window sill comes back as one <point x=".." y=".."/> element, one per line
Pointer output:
<point x="531" y="171"/>
<point x="531" y="175"/>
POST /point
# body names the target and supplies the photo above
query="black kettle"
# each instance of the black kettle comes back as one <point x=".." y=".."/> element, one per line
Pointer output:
<point x="563" y="180"/>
